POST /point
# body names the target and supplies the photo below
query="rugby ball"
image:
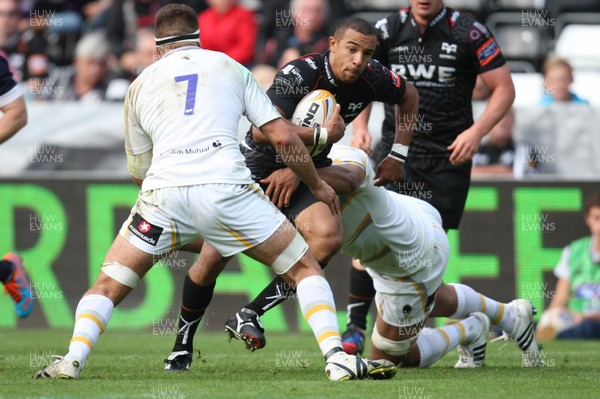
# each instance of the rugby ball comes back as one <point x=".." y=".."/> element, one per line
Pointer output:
<point x="314" y="110"/>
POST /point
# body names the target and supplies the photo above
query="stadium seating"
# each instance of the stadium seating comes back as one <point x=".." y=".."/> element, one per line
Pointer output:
<point x="523" y="38"/>
<point x="579" y="44"/>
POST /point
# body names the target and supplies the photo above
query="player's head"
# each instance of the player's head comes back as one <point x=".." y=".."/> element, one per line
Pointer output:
<point x="592" y="213"/>
<point x="176" y="26"/>
<point x="352" y="46"/>
<point x="558" y="76"/>
<point x="425" y="10"/>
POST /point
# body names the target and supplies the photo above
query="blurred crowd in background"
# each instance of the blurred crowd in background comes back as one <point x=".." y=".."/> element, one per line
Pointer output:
<point x="90" y="50"/>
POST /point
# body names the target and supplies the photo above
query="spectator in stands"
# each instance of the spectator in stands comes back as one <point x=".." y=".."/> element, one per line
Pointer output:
<point x="134" y="62"/>
<point x="558" y="76"/>
<point x="86" y="79"/>
<point x="496" y="154"/>
<point x="227" y="27"/>
<point x="302" y="30"/>
<point x="578" y="286"/>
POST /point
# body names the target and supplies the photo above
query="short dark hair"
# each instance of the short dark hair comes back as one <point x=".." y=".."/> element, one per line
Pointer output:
<point x="592" y="201"/>
<point x="358" y="24"/>
<point x="175" y="20"/>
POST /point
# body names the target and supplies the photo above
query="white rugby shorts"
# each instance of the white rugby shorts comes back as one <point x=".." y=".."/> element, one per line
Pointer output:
<point x="230" y="217"/>
<point x="408" y="300"/>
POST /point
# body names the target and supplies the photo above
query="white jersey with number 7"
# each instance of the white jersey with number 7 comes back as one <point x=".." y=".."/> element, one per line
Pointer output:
<point x="185" y="108"/>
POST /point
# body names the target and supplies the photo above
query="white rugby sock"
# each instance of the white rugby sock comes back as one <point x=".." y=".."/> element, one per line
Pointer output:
<point x="92" y="316"/>
<point x="318" y="308"/>
<point x="469" y="301"/>
<point x="434" y="343"/>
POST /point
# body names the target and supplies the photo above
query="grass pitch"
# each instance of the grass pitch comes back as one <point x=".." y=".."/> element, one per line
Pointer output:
<point x="130" y="365"/>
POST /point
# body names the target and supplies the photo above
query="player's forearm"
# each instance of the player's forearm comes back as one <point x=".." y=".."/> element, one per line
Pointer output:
<point x="306" y="134"/>
<point x="13" y="120"/>
<point x="406" y="115"/>
<point x="291" y="150"/>
<point x="341" y="178"/>
<point x="297" y="158"/>
<point x="498" y="105"/>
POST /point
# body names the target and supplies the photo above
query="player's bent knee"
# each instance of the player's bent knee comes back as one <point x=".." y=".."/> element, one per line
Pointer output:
<point x="121" y="274"/>
<point x="291" y="255"/>
<point x="391" y="347"/>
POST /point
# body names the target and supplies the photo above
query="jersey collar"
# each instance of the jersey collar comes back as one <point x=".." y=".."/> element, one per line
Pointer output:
<point x="329" y="72"/>
<point x="436" y="20"/>
<point x="182" y="48"/>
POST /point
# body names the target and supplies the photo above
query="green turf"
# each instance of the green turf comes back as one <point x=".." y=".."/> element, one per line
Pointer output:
<point x="129" y="365"/>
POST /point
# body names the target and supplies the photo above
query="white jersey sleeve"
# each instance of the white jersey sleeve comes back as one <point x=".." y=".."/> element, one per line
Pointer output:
<point x="259" y="108"/>
<point x="136" y="140"/>
<point x="379" y="222"/>
<point x="12" y="95"/>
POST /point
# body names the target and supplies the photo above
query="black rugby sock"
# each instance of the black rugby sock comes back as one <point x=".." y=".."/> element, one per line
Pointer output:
<point x="194" y="301"/>
<point x="360" y="297"/>
<point x="275" y="293"/>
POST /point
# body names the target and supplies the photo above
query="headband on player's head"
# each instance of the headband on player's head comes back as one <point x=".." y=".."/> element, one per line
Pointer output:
<point x="190" y="37"/>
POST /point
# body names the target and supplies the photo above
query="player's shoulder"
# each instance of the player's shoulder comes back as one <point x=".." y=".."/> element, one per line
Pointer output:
<point x="391" y="24"/>
<point x="465" y="27"/>
<point x="377" y="72"/>
<point x="302" y="72"/>
<point x="306" y="65"/>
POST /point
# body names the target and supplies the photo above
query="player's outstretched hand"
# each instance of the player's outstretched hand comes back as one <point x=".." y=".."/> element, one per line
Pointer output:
<point x="326" y="194"/>
<point x="335" y="126"/>
<point x="281" y="185"/>
<point x="389" y="171"/>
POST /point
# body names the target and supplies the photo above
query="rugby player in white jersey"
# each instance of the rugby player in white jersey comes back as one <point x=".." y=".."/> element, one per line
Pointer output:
<point x="401" y="242"/>
<point x="181" y="117"/>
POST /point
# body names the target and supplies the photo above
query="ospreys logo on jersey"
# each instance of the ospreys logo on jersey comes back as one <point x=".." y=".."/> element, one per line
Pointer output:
<point x="449" y="49"/>
<point x="144" y="230"/>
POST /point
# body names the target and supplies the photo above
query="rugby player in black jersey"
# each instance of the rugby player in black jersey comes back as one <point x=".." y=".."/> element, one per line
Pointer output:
<point x="441" y="51"/>
<point x="356" y="80"/>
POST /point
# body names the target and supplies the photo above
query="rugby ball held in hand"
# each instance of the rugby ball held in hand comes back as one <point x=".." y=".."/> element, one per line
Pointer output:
<point x="314" y="110"/>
